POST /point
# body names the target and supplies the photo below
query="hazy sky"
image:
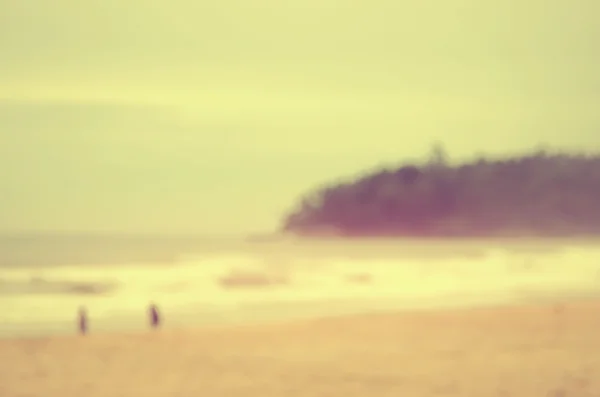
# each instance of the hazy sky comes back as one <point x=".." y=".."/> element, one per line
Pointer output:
<point x="200" y="116"/>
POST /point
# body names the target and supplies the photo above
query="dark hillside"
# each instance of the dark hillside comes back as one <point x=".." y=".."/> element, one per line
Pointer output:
<point x="539" y="194"/>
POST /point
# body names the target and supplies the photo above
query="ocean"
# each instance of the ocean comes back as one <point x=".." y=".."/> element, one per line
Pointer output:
<point x="195" y="281"/>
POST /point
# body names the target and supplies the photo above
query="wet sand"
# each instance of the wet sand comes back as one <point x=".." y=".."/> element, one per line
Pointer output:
<point x="513" y="350"/>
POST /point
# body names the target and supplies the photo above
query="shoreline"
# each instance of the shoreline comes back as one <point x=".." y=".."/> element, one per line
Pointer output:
<point x="274" y="313"/>
<point x="519" y="350"/>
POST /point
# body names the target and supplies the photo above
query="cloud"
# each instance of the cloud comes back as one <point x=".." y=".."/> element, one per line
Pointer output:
<point x="185" y="106"/>
<point x="195" y="43"/>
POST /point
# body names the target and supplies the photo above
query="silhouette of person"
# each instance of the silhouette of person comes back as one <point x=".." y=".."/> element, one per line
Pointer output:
<point x="82" y="321"/>
<point x="154" y="316"/>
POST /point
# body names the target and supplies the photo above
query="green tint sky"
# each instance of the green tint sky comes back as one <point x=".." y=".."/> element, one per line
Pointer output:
<point x="212" y="116"/>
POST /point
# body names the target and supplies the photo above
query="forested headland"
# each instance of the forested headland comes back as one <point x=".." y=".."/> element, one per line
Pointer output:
<point x="537" y="194"/>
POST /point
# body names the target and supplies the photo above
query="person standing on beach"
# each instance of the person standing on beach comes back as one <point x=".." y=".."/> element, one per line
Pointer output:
<point x="83" y="321"/>
<point x="154" y="316"/>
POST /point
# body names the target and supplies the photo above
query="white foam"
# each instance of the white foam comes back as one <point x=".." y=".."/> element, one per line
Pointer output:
<point x="191" y="286"/>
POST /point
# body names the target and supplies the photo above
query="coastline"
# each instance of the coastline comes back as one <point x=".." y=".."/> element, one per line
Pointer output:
<point x="512" y="349"/>
<point x="273" y="313"/>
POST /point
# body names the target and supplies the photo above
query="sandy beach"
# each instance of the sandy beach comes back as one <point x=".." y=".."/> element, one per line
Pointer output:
<point x="386" y="322"/>
<point x="513" y="350"/>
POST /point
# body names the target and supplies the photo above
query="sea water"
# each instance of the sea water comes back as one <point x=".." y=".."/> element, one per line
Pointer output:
<point x="188" y="280"/>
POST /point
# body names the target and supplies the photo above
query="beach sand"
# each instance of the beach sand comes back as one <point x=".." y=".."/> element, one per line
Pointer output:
<point x="513" y="350"/>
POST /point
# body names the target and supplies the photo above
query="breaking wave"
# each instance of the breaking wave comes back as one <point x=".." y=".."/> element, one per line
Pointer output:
<point x="255" y="282"/>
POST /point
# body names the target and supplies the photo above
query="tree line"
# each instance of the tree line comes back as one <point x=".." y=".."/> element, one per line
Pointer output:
<point x="537" y="194"/>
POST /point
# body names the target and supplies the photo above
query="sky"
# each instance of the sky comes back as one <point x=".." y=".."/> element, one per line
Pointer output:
<point x="197" y="116"/>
